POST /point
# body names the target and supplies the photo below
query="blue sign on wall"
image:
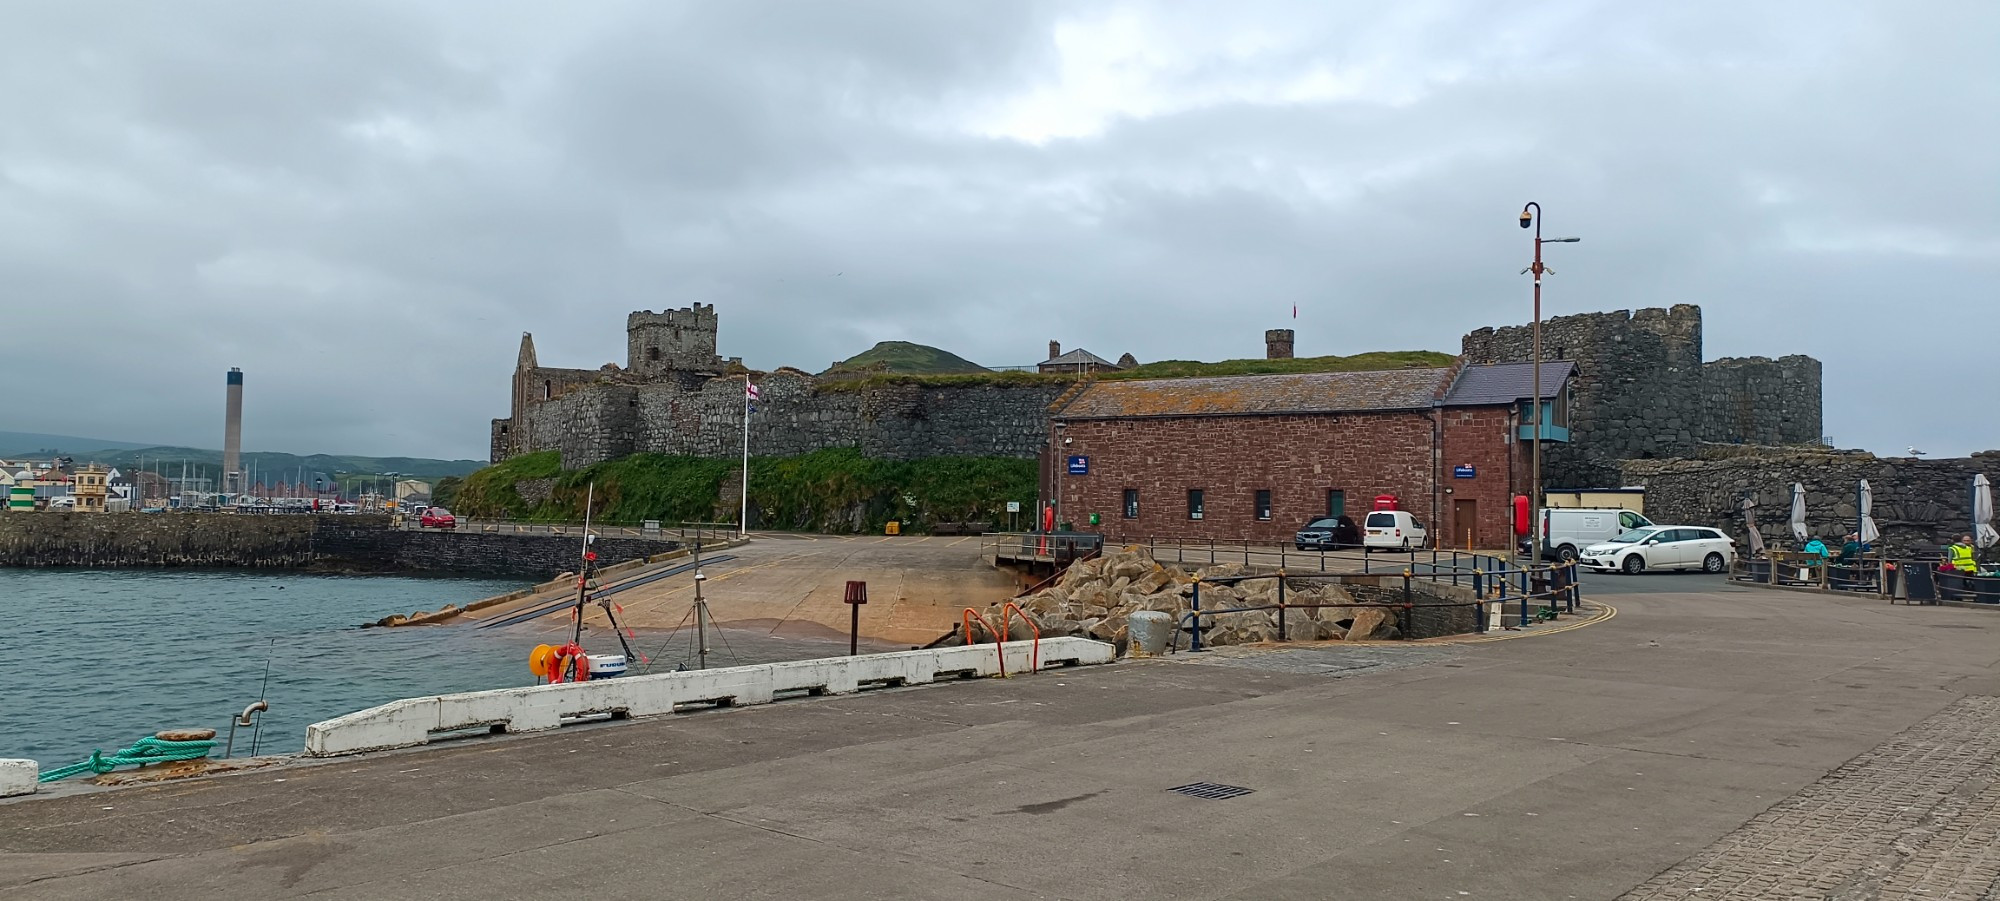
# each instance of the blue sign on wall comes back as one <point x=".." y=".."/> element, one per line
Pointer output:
<point x="1079" y="466"/>
<point x="1464" y="471"/>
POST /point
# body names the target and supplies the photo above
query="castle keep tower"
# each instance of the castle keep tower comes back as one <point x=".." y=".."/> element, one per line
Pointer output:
<point x="675" y="341"/>
<point x="1278" y="344"/>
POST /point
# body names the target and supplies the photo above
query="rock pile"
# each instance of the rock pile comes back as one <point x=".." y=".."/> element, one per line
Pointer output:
<point x="1094" y="597"/>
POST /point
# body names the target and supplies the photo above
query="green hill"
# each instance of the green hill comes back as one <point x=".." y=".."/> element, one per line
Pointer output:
<point x="905" y="358"/>
<point x="271" y="466"/>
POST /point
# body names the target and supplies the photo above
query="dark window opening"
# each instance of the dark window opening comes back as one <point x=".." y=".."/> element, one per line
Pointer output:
<point x="1194" y="503"/>
<point x="1131" y="503"/>
<point x="548" y="390"/>
<point x="653" y="354"/>
<point x="1263" y="503"/>
<point x="1336" y="503"/>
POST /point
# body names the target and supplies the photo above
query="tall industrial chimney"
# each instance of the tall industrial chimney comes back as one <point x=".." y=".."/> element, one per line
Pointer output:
<point x="232" y="436"/>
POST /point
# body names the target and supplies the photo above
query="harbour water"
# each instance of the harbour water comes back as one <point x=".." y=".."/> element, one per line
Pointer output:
<point x="96" y="659"/>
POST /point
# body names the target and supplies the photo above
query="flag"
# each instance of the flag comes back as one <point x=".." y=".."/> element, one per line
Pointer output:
<point x="1295" y="311"/>
<point x="751" y="390"/>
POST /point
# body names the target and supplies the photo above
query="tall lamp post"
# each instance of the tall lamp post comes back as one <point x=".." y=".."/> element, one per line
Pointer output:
<point x="1531" y="216"/>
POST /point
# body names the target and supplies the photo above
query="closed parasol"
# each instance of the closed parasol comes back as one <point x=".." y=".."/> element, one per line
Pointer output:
<point x="1982" y="512"/>
<point x="1866" y="501"/>
<point x="1799" y="512"/>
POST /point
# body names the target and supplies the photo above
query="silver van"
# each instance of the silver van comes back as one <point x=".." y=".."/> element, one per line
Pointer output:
<point x="1566" y="531"/>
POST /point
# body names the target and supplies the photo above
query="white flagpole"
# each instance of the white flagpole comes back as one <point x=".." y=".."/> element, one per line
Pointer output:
<point x="743" y="511"/>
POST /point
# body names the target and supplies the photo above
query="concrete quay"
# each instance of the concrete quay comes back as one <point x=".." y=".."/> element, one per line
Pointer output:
<point x="1707" y="741"/>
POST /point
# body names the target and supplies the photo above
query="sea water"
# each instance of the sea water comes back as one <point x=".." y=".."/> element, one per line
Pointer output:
<point x="98" y="658"/>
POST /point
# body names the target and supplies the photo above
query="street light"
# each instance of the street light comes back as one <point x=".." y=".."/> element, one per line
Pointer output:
<point x="1531" y="215"/>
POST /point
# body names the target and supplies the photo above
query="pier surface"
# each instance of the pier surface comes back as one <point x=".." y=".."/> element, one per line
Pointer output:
<point x="1706" y="737"/>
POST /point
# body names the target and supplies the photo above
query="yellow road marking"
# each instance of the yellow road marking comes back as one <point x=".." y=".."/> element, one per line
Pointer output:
<point x="1608" y="614"/>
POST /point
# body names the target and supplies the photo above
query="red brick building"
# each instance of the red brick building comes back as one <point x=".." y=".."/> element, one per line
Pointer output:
<point x="1260" y="456"/>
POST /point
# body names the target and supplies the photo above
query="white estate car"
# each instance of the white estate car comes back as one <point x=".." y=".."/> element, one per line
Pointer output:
<point x="1663" y="547"/>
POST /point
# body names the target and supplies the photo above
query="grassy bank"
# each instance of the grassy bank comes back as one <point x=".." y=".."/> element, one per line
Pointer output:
<point x="833" y="490"/>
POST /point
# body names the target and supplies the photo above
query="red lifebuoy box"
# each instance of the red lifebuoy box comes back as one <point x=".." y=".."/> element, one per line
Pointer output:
<point x="1385" y="502"/>
<point x="1520" y="514"/>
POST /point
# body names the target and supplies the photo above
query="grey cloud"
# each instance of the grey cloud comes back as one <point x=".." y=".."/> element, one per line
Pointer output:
<point x="364" y="204"/>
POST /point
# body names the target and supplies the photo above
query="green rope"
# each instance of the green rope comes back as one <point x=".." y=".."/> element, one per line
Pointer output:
<point x="144" y="751"/>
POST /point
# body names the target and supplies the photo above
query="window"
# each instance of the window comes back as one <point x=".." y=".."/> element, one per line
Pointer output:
<point x="1131" y="503"/>
<point x="1263" y="503"/>
<point x="1629" y="520"/>
<point x="1336" y="503"/>
<point x="1381" y="520"/>
<point x="653" y="354"/>
<point x="1194" y="503"/>
<point x="548" y="390"/>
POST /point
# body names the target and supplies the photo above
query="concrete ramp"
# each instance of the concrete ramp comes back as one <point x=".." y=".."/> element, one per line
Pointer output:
<point x="413" y="721"/>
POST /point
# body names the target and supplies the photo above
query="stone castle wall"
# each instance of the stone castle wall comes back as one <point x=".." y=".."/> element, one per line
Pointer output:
<point x="897" y="422"/>
<point x="1918" y="504"/>
<point x="1642" y="390"/>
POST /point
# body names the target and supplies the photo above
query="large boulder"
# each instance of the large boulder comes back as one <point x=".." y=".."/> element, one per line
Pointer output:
<point x="1372" y="624"/>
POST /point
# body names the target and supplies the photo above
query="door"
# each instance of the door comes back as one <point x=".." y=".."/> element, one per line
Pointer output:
<point x="1673" y="550"/>
<point x="1465" y="523"/>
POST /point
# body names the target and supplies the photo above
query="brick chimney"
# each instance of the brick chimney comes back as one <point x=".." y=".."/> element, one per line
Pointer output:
<point x="1278" y="344"/>
<point x="1055" y="349"/>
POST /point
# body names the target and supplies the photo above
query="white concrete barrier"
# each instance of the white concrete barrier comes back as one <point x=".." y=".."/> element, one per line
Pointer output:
<point x="412" y="721"/>
<point x="17" y="777"/>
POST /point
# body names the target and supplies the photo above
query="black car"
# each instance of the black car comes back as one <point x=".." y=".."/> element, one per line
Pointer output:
<point x="1328" y="533"/>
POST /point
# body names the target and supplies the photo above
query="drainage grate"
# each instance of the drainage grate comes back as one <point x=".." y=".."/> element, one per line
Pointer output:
<point x="1211" y="790"/>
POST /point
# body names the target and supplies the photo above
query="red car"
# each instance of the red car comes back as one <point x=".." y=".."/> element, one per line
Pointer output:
<point x="438" y="518"/>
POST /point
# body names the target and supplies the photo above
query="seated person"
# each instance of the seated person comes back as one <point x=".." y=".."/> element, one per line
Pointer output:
<point x="1851" y="551"/>
<point x="1817" y="548"/>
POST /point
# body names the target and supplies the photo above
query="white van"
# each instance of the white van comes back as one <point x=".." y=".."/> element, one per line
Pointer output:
<point x="1395" y="530"/>
<point x="1566" y="531"/>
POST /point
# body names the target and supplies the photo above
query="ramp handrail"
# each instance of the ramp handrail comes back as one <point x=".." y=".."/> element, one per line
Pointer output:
<point x="999" y="638"/>
<point x="1035" y="653"/>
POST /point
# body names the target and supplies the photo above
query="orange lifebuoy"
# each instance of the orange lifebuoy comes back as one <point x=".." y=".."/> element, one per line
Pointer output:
<point x="571" y="664"/>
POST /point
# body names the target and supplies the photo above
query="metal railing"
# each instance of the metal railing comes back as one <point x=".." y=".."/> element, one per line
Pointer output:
<point x="1057" y="548"/>
<point x="1505" y="584"/>
<point x="706" y="533"/>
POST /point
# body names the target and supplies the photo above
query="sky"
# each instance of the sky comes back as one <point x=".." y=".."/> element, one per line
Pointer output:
<point x="364" y="203"/>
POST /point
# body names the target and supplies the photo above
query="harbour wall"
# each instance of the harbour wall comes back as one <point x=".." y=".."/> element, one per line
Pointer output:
<point x="319" y="542"/>
<point x="1918" y="504"/>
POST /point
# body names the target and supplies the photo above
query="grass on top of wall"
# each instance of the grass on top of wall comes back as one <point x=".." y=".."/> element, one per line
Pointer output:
<point x="1363" y="362"/>
<point x="831" y="490"/>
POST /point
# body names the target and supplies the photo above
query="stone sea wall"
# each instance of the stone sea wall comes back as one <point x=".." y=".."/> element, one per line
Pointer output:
<point x="1918" y="504"/>
<point x="355" y="543"/>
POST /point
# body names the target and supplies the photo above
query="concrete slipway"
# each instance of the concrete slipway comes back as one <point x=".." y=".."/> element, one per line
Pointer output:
<point x="1683" y="744"/>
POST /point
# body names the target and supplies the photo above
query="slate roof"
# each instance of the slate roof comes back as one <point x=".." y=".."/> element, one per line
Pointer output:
<point x="1259" y="395"/>
<point x="1080" y="357"/>
<point x="1493" y="384"/>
